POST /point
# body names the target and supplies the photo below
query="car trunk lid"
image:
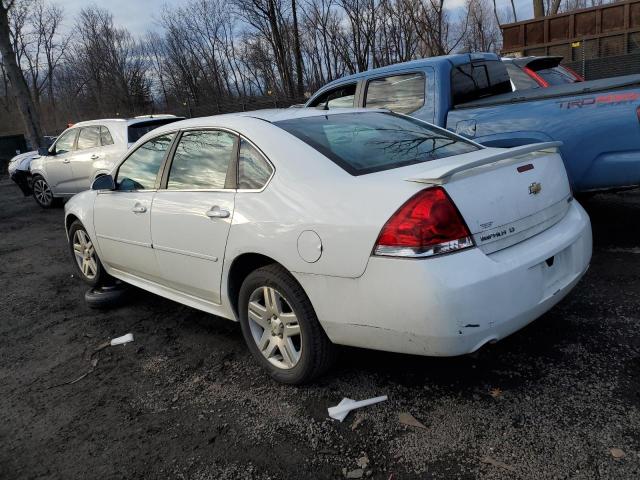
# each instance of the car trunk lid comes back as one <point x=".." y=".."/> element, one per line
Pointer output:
<point x="507" y="196"/>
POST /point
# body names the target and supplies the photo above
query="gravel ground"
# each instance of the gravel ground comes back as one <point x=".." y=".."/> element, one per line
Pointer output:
<point x="559" y="399"/>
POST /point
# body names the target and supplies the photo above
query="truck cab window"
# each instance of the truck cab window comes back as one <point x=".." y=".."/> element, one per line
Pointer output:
<point x="341" y="97"/>
<point x="471" y="81"/>
<point x="399" y="93"/>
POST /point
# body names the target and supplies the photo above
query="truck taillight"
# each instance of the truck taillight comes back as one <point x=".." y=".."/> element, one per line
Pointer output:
<point x="539" y="80"/>
<point x="427" y="224"/>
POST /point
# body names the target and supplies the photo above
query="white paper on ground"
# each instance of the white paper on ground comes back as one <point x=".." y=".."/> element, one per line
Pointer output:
<point x="340" y="411"/>
<point x="123" y="339"/>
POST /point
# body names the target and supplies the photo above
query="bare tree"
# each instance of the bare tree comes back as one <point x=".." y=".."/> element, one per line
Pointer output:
<point x="26" y="106"/>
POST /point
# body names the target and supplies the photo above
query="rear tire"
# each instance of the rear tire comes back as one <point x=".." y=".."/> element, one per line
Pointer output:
<point x="42" y="193"/>
<point x="85" y="258"/>
<point x="282" y="330"/>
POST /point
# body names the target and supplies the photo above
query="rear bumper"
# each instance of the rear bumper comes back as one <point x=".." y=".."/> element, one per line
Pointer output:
<point x="454" y="304"/>
<point x="22" y="178"/>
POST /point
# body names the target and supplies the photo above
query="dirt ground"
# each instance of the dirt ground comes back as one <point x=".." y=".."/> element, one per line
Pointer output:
<point x="186" y="401"/>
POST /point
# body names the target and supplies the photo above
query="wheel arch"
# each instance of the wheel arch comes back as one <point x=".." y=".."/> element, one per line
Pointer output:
<point x="240" y="268"/>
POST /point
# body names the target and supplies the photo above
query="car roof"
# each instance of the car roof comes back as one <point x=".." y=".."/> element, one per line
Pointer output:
<point x="269" y="115"/>
<point x="122" y="121"/>
<point x="455" y="59"/>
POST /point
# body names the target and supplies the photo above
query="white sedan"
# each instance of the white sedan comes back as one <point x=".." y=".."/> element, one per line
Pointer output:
<point x="352" y="227"/>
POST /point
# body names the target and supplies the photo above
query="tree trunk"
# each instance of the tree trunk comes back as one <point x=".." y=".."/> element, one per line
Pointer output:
<point x="30" y="116"/>
<point x="538" y="8"/>
<point x="298" y="53"/>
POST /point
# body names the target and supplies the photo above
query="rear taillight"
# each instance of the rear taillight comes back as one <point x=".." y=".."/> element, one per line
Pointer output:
<point x="539" y="80"/>
<point x="427" y="224"/>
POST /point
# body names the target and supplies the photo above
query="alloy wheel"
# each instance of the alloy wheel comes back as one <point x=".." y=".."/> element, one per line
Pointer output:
<point x="274" y="327"/>
<point x="42" y="192"/>
<point x="85" y="254"/>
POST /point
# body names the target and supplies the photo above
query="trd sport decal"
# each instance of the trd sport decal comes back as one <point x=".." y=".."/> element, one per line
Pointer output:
<point x="610" y="99"/>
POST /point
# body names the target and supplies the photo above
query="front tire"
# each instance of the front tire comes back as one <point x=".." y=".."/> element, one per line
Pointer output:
<point x="42" y="193"/>
<point x="281" y="328"/>
<point x="85" y="257"/>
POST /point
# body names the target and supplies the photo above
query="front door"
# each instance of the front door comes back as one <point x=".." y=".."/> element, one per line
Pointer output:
<point x="122" y="218"/>
<point x="87" y="152"/>
<point x="191" y="217"/>
<point x="57" y="165"/>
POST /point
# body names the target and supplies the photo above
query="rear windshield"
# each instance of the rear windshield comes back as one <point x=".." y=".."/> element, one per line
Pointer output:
<point x="556" y="76"/>
<point x="139" y="130"/>
<point x="369" y="142"/>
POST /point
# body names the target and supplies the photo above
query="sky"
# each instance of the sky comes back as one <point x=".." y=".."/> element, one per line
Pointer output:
<point x="139" y="16"/>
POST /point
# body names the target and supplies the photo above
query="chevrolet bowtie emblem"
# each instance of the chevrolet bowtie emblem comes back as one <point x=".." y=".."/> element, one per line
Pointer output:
<point x="535" y="188"/>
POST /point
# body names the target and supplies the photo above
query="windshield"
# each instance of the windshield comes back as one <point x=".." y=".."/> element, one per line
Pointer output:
<point x="369" y="142"/>
<point x="556" y="76"/>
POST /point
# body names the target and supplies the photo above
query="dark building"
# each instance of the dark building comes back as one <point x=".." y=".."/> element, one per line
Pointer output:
<point x="598" y="42"/>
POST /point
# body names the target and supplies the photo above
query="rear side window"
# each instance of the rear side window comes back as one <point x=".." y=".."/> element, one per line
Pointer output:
<point x="89" y="137"/>
<point x="138" y="130"/>
<point x="369" y="142"/>
<point x="105" y="136"/>
<point x="202" y="160"/>
<point x="341" y="97"/>
<point x="253" y="170"/>
<point x="399" y="93"/>
<point x="475" y="80"/>
<point x="140" y="170"/>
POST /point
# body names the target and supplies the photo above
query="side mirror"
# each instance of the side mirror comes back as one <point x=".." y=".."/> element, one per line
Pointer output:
<point x="43" y="151"/>
<point x="104" y="182"/>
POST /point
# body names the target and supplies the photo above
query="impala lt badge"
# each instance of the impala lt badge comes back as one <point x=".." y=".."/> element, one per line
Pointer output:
<point x="535" y="188"/>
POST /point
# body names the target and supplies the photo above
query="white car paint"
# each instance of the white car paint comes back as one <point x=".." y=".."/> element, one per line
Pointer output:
<point x="445" y="305"/>
<point x="74" y="171"/>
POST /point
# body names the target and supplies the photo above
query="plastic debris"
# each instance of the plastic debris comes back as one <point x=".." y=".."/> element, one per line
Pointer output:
<point x="340" y="411"/>
<point x="122" y="340"/>
<point x="406" y="418"/>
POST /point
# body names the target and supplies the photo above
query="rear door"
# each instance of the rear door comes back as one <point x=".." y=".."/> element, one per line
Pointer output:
<point x="122" y="218"/>
<point x="191" y="215"/>
<point x="58" y="165"/>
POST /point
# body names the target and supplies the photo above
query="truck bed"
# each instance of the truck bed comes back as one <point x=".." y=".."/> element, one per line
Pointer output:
<point x="567" y="90"/>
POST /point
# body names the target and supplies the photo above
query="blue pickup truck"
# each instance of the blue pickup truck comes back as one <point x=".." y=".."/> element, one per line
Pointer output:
<point x="471" y="94"/>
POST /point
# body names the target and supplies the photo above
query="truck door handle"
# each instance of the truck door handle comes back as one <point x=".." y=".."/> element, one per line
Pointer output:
<point x="139" y="208"/>
<point x="217" y="212"/>
<point x="95" y="156"/>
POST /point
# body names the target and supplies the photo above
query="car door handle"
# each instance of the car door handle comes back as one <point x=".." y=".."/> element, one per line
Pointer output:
<point x="95" y="156"/>
<point x="139" y="209"/>
<point x="65" y="160"/>
<point x="217" y="212"/>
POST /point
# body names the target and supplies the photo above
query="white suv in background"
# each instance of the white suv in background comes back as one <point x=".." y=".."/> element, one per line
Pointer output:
<point x="85" y="151"/>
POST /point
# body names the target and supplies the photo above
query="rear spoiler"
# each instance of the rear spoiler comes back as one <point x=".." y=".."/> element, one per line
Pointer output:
<point x="443" y="174"/>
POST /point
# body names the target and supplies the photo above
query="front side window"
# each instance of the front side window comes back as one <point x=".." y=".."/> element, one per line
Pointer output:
<point x="89" y="137"/>
<point x="105" y="136"/>
<point x="201" y="160"/>
<point x="341" y="97"/>
<point x="471" y="81"/>
<point x="253" y="170"/>
<point x="66" y="140"/>
<point x="369" y="142"/>
<point x="140" y="170"/>
<point x="399" y="93"/>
